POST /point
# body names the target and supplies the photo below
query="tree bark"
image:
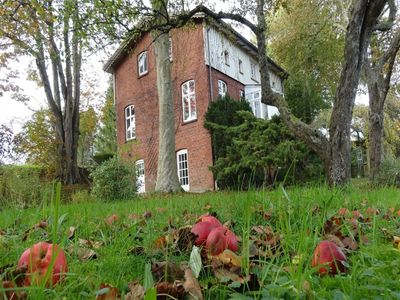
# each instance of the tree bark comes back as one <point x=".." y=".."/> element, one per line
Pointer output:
<point x="167" y="174"/>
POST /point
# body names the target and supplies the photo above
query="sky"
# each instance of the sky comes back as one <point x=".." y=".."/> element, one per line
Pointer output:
<point x="15" y="114"/>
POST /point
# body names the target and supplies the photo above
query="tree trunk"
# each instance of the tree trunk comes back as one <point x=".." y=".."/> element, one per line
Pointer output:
<point x="167" y="174"/>
<point x="375" y="131"/>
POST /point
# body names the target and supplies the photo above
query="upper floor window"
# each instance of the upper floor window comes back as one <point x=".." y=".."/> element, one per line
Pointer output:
<point x="183" y="168"/>
<point x="222" y="88"/>
<point x="226" y="57"/>
<point x="189" y="101"/>
<point x="130" y="126"/>
<point x="170" y="49"/>
<point x="253" y="71"/>
<point x="143" y="67"/>
<point x="240" y="66"/>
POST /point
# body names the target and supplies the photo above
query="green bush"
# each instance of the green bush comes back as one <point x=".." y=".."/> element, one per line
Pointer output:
<point x="389" y="173"/>
<point x="21" y="186"/>
<point x="114" y="180"/>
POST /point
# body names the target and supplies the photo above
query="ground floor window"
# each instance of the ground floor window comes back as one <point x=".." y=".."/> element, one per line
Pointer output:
<point x="140" y="180"/>
<point x="183" y="168"/>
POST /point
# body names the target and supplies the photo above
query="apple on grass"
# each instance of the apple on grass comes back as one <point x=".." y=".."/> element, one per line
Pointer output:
<point x="38" y="259"/>
<point x="329" y="258"/>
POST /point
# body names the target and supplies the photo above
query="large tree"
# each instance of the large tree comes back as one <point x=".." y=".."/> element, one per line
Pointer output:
<point x="378" y="70"/>
<point x="53" y="34"/>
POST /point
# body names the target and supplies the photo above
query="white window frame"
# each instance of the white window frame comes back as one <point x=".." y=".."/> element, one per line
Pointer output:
<point x="222" y="88"/>
<point x="182" y="160"/>
<point x="240" y="63"/>
<point x="130" y="123"/>
<point x="242" y="94"/>
<point x="189" y="104"/>
<point x="143" y="63"/>
<point x="253" y="71"/>
<point x="140" y="176"/>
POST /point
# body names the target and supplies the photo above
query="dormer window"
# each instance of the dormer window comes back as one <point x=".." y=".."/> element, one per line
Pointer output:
<point x="143" y="63"/>
<point x="226" y="57"/>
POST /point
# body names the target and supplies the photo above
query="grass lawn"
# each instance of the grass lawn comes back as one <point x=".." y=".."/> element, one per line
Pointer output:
<point x="296" y="217"/>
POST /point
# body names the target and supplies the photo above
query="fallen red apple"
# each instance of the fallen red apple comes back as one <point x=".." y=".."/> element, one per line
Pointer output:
<point x="232" y="241"/>
<point x="329" y="258"/>
<point x="38" y="259"/>
<point x="202" y="230"/>
<point x="211" y="219"/>
<point x="217" y="240"/>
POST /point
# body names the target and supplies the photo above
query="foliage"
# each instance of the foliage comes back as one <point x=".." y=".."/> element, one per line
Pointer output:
<point x="389" y="173"/>
<point x="263" y="153"/>
<point x="307" y="38"/>
<point x="106" y="138"/>
<point x="223" y="112"/>
<point x="38" y="142"/>
<point x="114" y="180"/>
<point x="87" y="132"/>
<point x="21" y="186"/>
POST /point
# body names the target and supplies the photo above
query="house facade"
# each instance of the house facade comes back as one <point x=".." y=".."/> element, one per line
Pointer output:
<point x="207" y="60"/>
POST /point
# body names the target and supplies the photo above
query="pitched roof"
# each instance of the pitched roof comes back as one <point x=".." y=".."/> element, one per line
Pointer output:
<point x="124" y="48"/>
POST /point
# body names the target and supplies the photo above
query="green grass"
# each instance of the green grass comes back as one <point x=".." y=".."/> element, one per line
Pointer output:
<point x="298" y="215"/>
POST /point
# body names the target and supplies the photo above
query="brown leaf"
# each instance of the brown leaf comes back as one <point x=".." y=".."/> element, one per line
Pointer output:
<point x="350" y="243"/>
<point x="107" y="292"/>
<point x="111" y="219"/>
<point x="372" y="211"/>
<point x="172" y="270"/>
<point x="166" y="289"/>
<point x="396" y="241"/>
<point x="147" y="214"/>
<point x="227" y="258"/>
<point x="71" y="232"/>
<point x="184" y="238"/>
<point x="134" y="217"/>
<point x="136" y="291"/>
<point x="192" y="286"/>
<point x="2" y="232"/>
<point x="225" y="275"/>
<point x="161" y="209"/>
<point x="335" y="239"/>
<point x="86" y="254"/>
<point x="42" y="225"/>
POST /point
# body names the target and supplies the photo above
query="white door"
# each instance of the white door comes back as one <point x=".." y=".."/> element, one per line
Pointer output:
<point x="183" y="168"/>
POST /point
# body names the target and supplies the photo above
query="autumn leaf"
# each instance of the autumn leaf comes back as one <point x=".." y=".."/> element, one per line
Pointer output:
<point x="107" y="292"/>
<point x="192" y="286"/>
<point x="111" y="219"/>
<point x="71" y="232"/>
<point x="136" y="291"/>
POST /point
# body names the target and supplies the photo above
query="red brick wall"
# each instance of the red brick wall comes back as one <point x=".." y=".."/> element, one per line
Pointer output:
<point x="187" y="64"/>
<point x="234" y="86"/>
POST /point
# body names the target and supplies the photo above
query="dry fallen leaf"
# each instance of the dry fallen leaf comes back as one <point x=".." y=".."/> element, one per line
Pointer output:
<point x="136" y="291"/>
<point x="71" y="232"/>
<point x="192" y="286"/>
<point x="167" y="290"/>
<point x="111" y="219"/>
<point x="86" y="254"/>
<point x="107" y="292"/>
<point x="229" y="258"/>
<point x="147" y="214"/>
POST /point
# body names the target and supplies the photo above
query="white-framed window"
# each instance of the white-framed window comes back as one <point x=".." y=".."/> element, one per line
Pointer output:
<point x="258" y="108"/>
<point x="253" y="71"/>
<point x="143" y="65"/>
<point x="240" y="63"/>
<point x="130" y="123"/>
<point x="222" y="88"/>
<point x="226" y="57"/>
<point x="242" y="94"/>
<point x="189" y="101"/>
<point x="140" y="179"/>
<point x="182" y="160"/>
<point x="170" y="49"/>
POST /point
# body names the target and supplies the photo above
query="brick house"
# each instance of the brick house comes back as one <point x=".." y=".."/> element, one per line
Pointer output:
<point x="207" y="60"/>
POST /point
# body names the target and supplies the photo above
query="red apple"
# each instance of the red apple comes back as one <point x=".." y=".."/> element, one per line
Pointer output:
<point x="217" y="240"/>
<point x="328" y="257"/>
<point x="211" y="219"/>
<point x="232" y="241"/>
<point x="38" y="259"/>
<point x="202" y="230"/>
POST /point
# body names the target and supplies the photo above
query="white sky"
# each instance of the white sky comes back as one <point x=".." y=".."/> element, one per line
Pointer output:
<point x="15" y="113"/>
